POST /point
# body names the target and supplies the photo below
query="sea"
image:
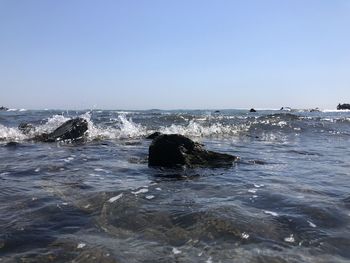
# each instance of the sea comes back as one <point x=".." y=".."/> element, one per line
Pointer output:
<point x="287" y="199"/>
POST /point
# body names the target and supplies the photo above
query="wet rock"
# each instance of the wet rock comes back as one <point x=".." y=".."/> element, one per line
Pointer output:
<point x="153" y="135"/>
<point x="252" y="110"/>
<point x="3" y="108"/>
<point x="70" y="130"/>
<point x="344" y="106"/>
<point x="170" y="150"/>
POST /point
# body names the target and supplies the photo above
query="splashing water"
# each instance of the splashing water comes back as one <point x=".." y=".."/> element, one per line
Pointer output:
<point x="124" y="129"/>
<point x="11" y="134"/>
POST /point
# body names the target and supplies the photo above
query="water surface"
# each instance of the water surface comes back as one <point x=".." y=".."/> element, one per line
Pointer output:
<point x="286" y="200"/>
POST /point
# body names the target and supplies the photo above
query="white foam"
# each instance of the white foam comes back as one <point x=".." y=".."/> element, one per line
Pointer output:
<point x="176" y="251"/>
<point x="81" y="245"/>
<point x="149" y="197"/>
<point x="290" y="239"/>
<point x="311" y="224"/>
<point x="194" y="129"/>
<point x="125" y="112"/>
<point x="115" y="198"/>
<point x="331" y="110"/>
<point x="11" y="134"/>
<point x="124" y="128"/>
<point x="270" y="213"/>
<point x="244" y="235"/>
<point x="141" y="191"/>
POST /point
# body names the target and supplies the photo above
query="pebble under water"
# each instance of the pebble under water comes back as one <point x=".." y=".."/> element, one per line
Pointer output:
<point x="96" y="200"/>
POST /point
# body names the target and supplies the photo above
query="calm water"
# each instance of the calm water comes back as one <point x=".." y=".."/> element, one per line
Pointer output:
<point x="287" y="200"/>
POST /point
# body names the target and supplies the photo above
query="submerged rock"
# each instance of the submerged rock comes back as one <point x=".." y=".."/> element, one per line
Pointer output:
<point x="170" y="150"/>
<point x="70" y="130"/>
<point x="252" y="110"/>
<point x="344" y="106"/>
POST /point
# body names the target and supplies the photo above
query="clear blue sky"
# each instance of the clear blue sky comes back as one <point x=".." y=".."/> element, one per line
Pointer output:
<point x="136" y="54"/>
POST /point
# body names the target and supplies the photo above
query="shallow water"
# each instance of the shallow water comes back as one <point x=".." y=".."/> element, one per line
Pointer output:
<point x="286" y="200"/>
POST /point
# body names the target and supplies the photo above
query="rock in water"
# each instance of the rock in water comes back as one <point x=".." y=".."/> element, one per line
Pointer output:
<point x="344" y="106"/>
<point x="3" y="108"/>
<point x="153" y="135"/>
<point x="171" y="150"/>
<point x="70" y="130"/>
<point x="252" y="110"/>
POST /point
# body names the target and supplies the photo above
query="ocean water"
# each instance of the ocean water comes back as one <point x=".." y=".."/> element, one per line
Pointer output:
<point x="286" y="200"/>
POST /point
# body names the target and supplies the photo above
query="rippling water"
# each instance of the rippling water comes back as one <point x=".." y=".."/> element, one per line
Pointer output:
<point x="286" y="200"/>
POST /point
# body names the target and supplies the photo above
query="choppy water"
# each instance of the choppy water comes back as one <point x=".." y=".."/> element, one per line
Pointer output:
<point x="287" y="200"/>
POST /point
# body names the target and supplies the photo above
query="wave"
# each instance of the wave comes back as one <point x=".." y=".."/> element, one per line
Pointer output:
<point x="123" y="128"/>
<point x="195" y="129"/>
<point x="119" y="126"/>
<point x="11" y="134"/>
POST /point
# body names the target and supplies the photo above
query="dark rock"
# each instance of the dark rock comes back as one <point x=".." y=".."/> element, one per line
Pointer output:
<point x="170" y="150"/>
<point x="344" y="106"/>
<point x="70" y="130"/>
<point x="3" y="108"/>
<point x="153" y="135"/>
<point x="26" y="127"/>
<point x="252" y="110"/>
<point x="217" y="111"/>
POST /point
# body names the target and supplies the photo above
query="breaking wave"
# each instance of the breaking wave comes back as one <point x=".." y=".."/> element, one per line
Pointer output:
<point x="120" y="125"/>
<point x="11" y="134"/>
<point x="123" y="128"/>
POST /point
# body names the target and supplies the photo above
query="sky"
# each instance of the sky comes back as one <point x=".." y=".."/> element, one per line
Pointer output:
<point x="183" y="54"/>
